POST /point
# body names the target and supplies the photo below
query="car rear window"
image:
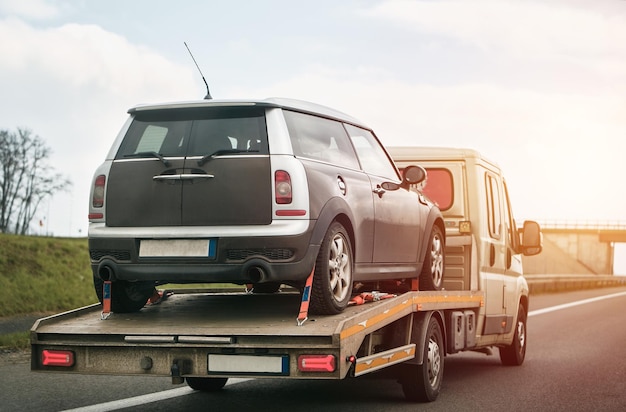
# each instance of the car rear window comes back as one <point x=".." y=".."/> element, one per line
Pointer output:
<point x="196" y="132"/>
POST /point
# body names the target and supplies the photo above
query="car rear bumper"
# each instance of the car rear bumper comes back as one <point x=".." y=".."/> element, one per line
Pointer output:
<point x="236" y="260"/>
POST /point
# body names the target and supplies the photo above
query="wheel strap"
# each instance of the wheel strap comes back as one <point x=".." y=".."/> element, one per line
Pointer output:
<point x="306" y="298"/>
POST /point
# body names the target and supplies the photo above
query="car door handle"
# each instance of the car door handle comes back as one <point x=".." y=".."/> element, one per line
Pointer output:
<point x="184" y="176"/>
<point x="379" y="191"/>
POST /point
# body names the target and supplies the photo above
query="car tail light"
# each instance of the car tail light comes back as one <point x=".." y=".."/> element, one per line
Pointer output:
<point x="57" y="358"/>
<point x="98" y="191"/>
<point x="282" y="182"/>
<point x="316" y="363"/>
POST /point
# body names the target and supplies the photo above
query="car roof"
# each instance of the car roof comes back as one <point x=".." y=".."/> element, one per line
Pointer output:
<point x="279" y="102"/>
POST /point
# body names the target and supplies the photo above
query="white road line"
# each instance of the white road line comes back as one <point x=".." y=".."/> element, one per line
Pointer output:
<point x="143" y="399"/>
<point x="577" y="303"/>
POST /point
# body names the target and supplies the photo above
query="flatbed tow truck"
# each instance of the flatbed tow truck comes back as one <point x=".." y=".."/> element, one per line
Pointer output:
<point x="204" y="338"/>
<point x="207" y="337"/>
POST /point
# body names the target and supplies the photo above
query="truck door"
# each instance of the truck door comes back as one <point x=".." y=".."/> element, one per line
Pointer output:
<point x="494" y="253"/>
<point x="513" y="269"/>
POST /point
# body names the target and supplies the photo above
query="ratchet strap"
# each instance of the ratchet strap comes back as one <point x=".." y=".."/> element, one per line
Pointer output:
<point x="106" y="300"/>
<point x="306" y="297"/>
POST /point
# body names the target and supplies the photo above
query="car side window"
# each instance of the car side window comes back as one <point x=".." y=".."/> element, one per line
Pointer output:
<point x="372" y="156"/>
<point x="321" y="139"/>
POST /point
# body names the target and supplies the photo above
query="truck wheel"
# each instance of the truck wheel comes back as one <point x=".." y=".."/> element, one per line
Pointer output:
<point x="126" y="296"/>
<point x="514" y="354"/>
<point x="206" y="384"/>
<point x="431" y="277"/>
<point x="332" y="281"/>
<point x="423" y="382"/>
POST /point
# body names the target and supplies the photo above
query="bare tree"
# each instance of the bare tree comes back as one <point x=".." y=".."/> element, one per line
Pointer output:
<point x="26" y="179"/>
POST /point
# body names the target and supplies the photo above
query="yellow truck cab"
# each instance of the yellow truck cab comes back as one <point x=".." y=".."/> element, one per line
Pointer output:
<point x="483" y="243"/>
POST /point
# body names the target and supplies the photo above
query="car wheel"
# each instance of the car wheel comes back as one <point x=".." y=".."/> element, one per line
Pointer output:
<point x="431" y="277"/>
<point x="206" y="384"/>
<point x="269" y="287"/>
<point x="422" y="383"/>
<point x="126" y="296"/>
<point x="332" y="281"/>
<point x="514" y="354"/>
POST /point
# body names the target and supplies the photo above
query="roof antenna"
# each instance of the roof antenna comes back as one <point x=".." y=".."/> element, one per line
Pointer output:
<point x="208" y="93"/>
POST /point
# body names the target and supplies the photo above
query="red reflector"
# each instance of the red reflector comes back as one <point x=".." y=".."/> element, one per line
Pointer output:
<point x="95" y="216"/>
<point x="282" y="182"/>
<point x="57" y="358"/>
<point x="298" y="212"/>
<point x="316" y="363"/>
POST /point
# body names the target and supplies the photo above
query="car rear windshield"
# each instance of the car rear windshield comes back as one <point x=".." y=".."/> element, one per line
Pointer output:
<point x="196" y="132"/>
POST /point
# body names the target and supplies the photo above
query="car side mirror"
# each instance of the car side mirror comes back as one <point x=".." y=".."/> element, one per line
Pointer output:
<point x="531" y="238"/>
<point x="413" y="175"/>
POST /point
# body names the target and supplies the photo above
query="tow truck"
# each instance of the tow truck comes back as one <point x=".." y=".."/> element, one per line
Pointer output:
<point x="205" y="337"/>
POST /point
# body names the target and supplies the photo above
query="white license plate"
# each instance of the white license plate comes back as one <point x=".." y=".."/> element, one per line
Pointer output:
<point x="275" y="365"/>
<point x="177" y="248"/>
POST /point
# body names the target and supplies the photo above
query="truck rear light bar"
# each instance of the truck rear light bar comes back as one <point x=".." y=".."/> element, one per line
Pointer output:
<point x="316" y="363"/>
<point x="57" y="358"/>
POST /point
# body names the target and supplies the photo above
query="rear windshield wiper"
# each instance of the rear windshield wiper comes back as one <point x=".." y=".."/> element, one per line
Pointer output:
<point x="149" y="154"/>
<point x="221" y="152"/>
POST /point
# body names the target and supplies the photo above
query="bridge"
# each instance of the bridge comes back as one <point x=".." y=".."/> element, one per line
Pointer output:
<point x="577" y="247"/>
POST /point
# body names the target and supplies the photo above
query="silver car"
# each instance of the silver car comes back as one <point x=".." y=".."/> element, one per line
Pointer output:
<point x="260" y="192"/>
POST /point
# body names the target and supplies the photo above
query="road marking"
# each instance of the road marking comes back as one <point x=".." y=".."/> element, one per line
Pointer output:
<point x="577" y="303"/>
<point x="143" y="399"/>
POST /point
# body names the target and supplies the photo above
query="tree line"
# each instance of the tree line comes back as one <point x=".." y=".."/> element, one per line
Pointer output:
<point x="26" y="179"/>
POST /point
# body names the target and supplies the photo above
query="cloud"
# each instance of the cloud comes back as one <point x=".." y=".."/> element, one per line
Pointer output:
<point x="72" y="85"/>
<point x="525" y="27"/>
<point x="30" y="9"/>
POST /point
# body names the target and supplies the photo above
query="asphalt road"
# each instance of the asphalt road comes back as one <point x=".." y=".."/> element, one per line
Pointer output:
<point x="576" y="361"/>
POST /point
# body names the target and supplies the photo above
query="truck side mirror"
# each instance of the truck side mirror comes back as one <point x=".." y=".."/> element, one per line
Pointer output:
<point x="531" y="238"/>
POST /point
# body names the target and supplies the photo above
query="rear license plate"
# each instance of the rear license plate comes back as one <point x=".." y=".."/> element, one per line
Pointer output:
<point x="177" y="248"/>
<point x="248" y="364"/>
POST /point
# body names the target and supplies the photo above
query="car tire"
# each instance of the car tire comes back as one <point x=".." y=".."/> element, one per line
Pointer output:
<point x="515" y="353"/>
<point x="126" y="297"/>
<point x="431" y="277"/>
<point x="332" y="280"/>
<point x="206" y="384"/>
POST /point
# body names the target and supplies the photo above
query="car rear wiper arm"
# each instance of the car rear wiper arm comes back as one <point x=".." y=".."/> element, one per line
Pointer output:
<point x="149" y="154"/>
<point x="221" y="152"/>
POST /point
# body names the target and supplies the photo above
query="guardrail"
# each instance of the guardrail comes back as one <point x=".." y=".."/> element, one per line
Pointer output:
<point x="583" y="224"/>
<point x="563" y="283"/>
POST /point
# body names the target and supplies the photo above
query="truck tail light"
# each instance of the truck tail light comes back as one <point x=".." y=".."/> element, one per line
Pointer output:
<point x="282" y="183"/>
<point x="98" y="191"/>
<point x="57" y="358"/>
<point x="316" y="363"/>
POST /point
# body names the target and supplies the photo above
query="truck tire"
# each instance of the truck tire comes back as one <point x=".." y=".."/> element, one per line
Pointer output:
<point x="515" y="353"/>
<point x="126" y="296"/>
<point x="431" y="277"/>
<point x="206" y="384"/>
<point x="422" y="383"/>
<point x="332" y="280"/>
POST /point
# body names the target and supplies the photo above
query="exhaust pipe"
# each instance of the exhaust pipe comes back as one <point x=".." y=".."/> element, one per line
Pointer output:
<point x="256" y="274"/>
<point x="106" y="270"/>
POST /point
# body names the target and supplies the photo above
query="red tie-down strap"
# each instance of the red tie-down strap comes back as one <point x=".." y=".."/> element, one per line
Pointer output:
<point x="306" y="297"/>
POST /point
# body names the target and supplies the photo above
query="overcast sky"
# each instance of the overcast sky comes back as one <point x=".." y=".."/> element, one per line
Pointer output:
<point x="537" y="86"/>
